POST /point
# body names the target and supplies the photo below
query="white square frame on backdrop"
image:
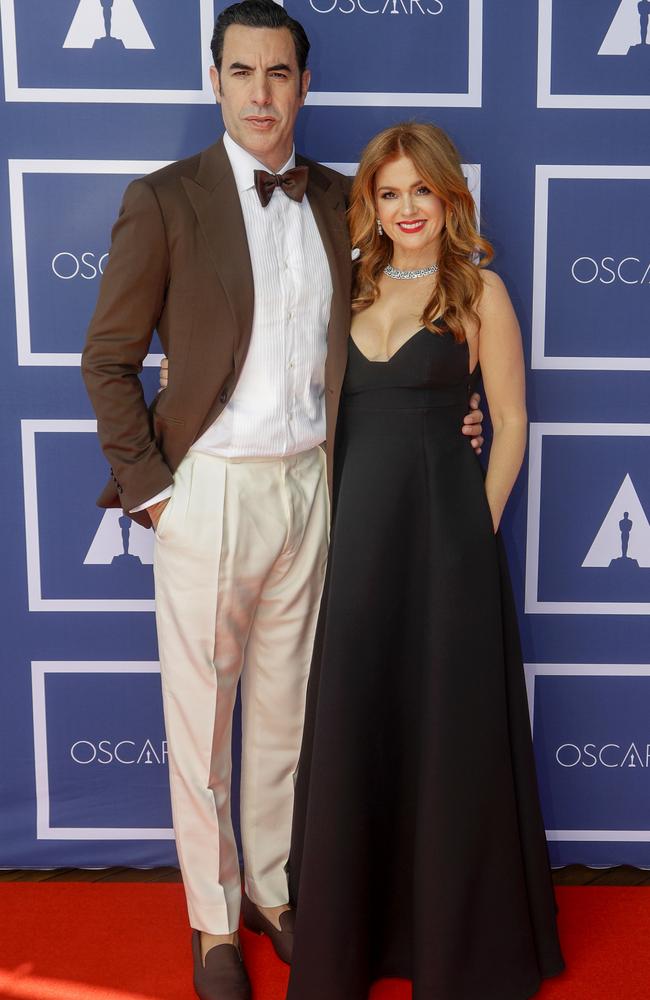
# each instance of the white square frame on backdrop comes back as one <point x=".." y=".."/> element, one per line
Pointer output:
<point x="543" y="174"/>
<point x="29" y="430"/>
<point x="538" y="431"/>
<point x="44" y="831"/>
<point x="99" y="95"/>
<point x="547" y="99"/>
<point x="471" y="98"/>
<point x="535" y="670"/>
<point x="17" y="170"/>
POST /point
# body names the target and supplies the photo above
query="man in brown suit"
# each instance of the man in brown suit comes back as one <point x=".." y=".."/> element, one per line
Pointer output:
<point x="240" y="258"/>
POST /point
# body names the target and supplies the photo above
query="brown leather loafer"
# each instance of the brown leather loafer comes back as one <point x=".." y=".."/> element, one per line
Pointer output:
<point x="282" y="940"/>
<point x="223" y="977"/>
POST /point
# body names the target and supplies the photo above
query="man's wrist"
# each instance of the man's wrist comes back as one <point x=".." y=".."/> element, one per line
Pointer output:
<point x="159" y="497"/>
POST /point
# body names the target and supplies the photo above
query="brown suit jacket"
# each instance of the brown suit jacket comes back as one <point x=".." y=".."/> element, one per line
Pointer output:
<point x="179" y="263"/>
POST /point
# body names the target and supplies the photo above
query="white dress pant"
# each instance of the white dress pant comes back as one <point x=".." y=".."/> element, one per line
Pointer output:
<point x="239" y="564"/>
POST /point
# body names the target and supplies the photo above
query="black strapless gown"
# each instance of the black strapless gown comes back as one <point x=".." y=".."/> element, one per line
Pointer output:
<point x="418" y="847"/>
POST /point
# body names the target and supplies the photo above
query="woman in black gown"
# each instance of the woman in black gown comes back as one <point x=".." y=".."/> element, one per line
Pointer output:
<point x="418" y="847"/>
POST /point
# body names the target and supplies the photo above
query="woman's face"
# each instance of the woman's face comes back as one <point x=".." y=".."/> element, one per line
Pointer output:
<point x="412" y="216"/>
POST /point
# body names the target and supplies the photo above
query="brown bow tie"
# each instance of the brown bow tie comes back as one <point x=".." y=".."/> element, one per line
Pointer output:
<point x="293" y="182"/>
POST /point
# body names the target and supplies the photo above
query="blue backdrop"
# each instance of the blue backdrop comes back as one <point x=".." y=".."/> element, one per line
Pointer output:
<point x="548" y="104"/>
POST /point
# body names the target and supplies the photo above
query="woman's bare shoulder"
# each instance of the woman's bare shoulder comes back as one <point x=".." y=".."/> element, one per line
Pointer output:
<point x="492" y="283"/>
<point x="494" y="296"/>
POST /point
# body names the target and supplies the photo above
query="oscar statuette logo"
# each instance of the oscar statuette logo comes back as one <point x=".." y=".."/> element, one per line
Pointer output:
<point x="120" y="543"/>
<point x="107" y="26"/>
<point x="628" y="32"/>
<point x="622" y="544"/>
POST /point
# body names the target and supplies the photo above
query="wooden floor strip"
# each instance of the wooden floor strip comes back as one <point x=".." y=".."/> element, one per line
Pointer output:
<point x="570" y="875"/>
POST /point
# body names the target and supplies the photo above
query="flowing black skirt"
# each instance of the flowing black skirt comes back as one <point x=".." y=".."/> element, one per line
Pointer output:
<point x="418" y="847"/>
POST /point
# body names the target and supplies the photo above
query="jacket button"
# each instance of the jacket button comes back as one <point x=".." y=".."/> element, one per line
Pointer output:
<point x="224" y="396"/>
<point x="119" y="488"/>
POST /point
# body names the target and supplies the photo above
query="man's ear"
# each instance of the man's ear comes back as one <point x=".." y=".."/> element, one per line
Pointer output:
<point x="305" y="80"/>
<point x="215" y="80"/>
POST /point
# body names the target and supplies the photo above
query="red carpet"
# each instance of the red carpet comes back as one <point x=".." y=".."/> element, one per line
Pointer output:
<point x="99" y="941"/>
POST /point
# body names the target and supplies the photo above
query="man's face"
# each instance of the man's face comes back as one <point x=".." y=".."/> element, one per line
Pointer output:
<point x="260" y="91"/>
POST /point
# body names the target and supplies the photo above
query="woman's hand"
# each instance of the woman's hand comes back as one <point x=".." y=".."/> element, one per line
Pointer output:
<point x="164" y="373"/>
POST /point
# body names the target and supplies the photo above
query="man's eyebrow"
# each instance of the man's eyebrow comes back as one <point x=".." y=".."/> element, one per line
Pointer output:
<point x="270" y="69"/>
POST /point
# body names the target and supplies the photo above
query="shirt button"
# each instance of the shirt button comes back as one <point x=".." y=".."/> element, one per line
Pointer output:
<point x="291" y="364"/>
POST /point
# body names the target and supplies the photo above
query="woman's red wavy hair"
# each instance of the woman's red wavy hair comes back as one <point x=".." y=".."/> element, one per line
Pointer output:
<point x="463" y="251"/>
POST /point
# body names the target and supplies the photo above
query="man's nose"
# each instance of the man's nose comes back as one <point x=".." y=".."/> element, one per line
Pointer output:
<point x="261" y="89"/>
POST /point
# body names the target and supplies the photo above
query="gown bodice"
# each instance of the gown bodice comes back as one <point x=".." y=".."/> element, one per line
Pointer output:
<point x="432" y="367"/>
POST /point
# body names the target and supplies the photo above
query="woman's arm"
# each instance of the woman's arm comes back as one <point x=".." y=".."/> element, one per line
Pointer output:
<point x="502" y="366"/>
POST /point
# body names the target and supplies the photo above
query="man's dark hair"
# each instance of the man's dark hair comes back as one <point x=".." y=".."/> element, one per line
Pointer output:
<point x="259" y="14"/>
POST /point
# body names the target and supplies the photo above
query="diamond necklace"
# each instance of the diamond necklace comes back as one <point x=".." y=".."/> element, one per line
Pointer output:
<point x="421" y="272"/>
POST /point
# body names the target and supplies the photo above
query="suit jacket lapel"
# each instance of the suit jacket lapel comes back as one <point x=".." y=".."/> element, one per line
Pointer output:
<point x="328" y="207"/>
<point x="215" y="200"/>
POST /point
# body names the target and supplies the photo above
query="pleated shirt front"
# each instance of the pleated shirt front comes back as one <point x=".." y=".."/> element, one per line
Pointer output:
<point x="278" y="405"/>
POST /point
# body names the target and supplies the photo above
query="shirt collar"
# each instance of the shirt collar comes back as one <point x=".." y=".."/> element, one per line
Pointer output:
<point x="244" y="164"/>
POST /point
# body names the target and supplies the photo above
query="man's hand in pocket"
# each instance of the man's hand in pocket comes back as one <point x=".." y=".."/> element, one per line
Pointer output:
<point x="156" y="510"/>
